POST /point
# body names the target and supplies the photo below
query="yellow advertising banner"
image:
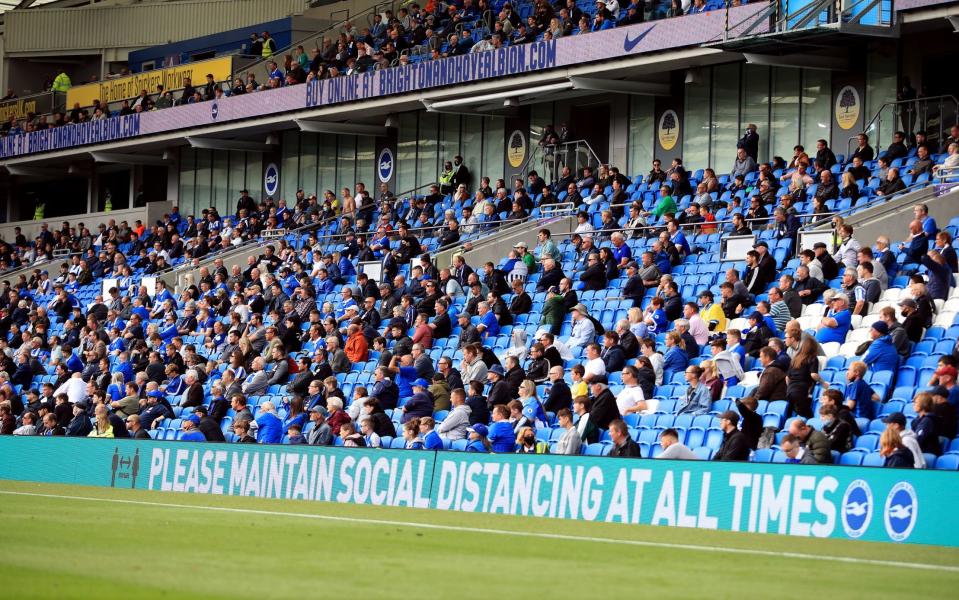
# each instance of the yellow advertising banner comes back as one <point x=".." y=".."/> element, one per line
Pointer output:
<point x="172" y="78"/>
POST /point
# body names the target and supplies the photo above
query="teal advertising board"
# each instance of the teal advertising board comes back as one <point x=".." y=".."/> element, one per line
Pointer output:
<point x="885" y="505"/>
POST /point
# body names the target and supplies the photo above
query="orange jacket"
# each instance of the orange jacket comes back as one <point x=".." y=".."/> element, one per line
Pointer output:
<point x="357" y="350"/>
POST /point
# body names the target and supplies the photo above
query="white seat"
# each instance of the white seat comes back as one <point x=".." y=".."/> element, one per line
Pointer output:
<point x="751" y="378"/>
<point x="856" y="321"/>
<point x="939" y="304"/>
<point x="816" y="309"/>
<point x="848" y="349"/>
<point x="952" y="305"/>
<point x="822" y="362"/>
<point x="831" y="348"/>
<point x="858" y="336"/>
<point x="945" y="319"/>
<point x="892" y="294"/>
<point x="808" y="322"/>
<point x="878" y="306"/>
<point x="738" y="323"/>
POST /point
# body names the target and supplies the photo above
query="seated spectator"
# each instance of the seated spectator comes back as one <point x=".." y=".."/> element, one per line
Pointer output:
<point x="882" y="354"/>
<point x="835" y="325"/>
<point x="924" y="424"/>
<point x="813" y="441"/>
<point x="836" y="430"/>
<point x="891" y="448"/>
<point x="735" y="447"/>
<point x="860" y="397"/>
<point x="897" y="422"/>
<point x="623" y="445"/>
<point x="698" y="398"/>
<point x="772" y="381"/>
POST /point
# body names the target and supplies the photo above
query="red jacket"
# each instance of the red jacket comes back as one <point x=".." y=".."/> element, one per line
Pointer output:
<point x="357" y="350"/>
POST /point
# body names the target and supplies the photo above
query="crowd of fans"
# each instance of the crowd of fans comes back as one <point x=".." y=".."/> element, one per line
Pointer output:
<point x="434" y="30"/>
<point x="301" y="346"/>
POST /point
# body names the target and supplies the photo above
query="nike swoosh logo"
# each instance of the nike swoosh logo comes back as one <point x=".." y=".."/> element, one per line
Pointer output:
<point x="629" y="44"/>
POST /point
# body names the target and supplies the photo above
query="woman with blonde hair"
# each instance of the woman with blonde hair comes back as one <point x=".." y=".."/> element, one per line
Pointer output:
<point x="532" y="408"/>
<point x="102" y="427"/>
<point x="711" y="379"/>
<point x="849" y="188"/>
<point x="896" y="454"/>
<point x="636" y="324"/>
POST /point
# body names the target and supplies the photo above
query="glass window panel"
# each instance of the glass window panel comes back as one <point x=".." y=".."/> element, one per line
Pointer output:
<point x="540" y="115"/>
<point x="327" y="165"/>
<point x="756" y="105"/>
<point x="725" y="129"/>
<point x="345" y="163"/>
<point x="307" y="180"/>
<point x="254" y="178"/>
<point x="493" y="147"/>
<point x="236" y="179"/>
<point x="204" y="164"/>
<point x="221" y="159"/>
<point x="471" y="147"/>
<point x="696" y="131"/>
<point x="406" y="153"/>
<point x="641" y="116"/>
<point x="289" y="169"/>
<point x="187" y="181"/>
<point x="783" y="133"/>
<point x="880" y="88"/>
<point x="366" y="163"/>
<point x="427" y="165"/>
<point x="450" y="137"/>
<point x="816" y="110"/>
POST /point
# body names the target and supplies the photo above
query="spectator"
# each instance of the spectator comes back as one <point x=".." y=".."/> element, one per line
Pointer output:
<point x="698" y="398"/>
<point x="772" y="381"/>
<point x="673" y="449"/>
<point x="882" y="354"/>
<point x="836" y="430"/>
<point x="796" y="452"/>
<point x="835" y="325"/>
<point x="924" y="425"/>
<point x="735" y="447"/>
<point x="744" y="163"/>
<point x="814" y="442"/>
<point x="895" y="453"/>
<point x="897" y="422"/>
<point x="860" y="397"/>
<point x="623" y="445"/>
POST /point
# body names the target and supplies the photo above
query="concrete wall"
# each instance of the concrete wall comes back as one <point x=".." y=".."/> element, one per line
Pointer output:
<point x="152" y="212"/>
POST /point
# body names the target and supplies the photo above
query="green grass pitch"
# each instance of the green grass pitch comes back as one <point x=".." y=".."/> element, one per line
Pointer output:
<point x="61" y="541"/>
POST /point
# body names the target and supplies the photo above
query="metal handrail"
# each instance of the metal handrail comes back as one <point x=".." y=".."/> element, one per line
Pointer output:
<point x="314" y="37"/>
<point x="876" y="120"/>
<point x="913" y="187"/>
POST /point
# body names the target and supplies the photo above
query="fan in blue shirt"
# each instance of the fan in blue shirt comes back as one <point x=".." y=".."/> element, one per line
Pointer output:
<point x="270" y="427"/>
<point x="882" y="354"/>
<point x="860" y="398"/>
<point x="190" y="432"/>
<point x="843" y="320"/>
<point x="488" y="322"/>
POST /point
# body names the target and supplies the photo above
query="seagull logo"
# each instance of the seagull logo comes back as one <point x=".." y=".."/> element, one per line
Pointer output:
<point x="900" y="511"/>
<point x="857" y="509"/>
<point x="629" y="44"/>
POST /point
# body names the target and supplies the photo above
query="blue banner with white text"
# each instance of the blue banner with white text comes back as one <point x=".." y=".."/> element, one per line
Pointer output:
<point x="873" y="504"/>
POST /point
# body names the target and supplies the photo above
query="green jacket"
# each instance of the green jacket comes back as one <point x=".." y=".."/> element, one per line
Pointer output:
<point x="530" y="261"/>
<point x="553" y="312"/>
<point x="666" y="204"/>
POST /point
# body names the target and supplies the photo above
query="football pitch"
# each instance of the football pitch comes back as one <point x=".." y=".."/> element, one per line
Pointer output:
<point x="64" y="541"/>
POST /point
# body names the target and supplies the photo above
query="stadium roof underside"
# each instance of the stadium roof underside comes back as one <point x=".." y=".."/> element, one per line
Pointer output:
<point x="644" y="74"/>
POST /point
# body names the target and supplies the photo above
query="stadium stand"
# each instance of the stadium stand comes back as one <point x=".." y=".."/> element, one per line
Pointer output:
<point x="412" y="33"/>
<point x="630" y="335"/>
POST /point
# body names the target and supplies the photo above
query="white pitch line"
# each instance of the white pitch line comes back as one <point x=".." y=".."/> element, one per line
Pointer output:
<point x="532" y="534"/>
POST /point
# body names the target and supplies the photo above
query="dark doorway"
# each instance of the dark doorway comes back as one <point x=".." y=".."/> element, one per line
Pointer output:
<point x="153" y="188"/>
<point x="590" y="122"/>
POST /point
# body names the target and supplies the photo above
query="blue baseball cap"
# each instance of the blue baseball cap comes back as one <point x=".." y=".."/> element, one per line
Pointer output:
<point x="195" y="419"/>
<point x="479" y="428"/>
<point x="420" y="382"/>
